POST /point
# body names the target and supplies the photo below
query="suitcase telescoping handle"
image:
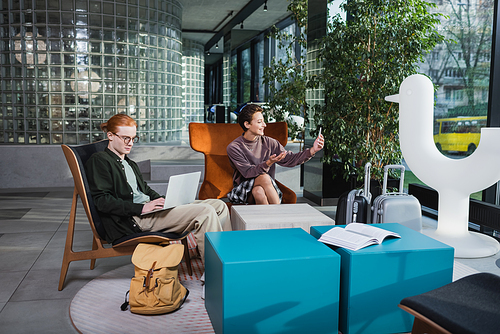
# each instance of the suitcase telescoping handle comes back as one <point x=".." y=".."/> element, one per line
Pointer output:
<point x="386" y="176"/>
<point x="367" y="181"/>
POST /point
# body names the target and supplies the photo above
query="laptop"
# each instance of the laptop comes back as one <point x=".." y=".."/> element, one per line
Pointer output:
<point x="181" y="190"/>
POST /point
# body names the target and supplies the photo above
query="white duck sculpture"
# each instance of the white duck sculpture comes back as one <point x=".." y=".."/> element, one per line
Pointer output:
<point x="453" y="179"/>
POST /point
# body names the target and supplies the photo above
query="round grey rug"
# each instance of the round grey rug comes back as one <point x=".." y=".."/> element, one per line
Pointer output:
<point x="96" y="307"/>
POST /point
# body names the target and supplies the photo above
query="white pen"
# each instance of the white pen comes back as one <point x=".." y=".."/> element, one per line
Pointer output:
<point x="320" y="128"/>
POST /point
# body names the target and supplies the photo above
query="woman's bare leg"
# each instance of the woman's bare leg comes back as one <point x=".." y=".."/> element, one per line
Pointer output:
<point x="259" y="195"/>
<point x="263" y="190"/>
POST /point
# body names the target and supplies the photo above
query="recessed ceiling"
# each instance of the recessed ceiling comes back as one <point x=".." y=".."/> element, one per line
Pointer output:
<point x="204" y="19"/>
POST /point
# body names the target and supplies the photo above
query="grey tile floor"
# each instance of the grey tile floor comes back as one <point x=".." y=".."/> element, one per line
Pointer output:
<point x="33" y="225"/>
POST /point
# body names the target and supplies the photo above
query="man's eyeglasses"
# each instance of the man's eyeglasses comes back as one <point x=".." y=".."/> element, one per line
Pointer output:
<point x="127" y="140"/>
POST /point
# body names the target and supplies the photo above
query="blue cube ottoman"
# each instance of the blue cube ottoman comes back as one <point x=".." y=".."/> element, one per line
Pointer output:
<point x="376" y="278"/>
<point x="271" y="281"/>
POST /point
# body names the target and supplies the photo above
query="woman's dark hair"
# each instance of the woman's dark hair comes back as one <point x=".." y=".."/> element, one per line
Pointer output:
<point x="246" y="114"/>
<point x="117" y="120"/>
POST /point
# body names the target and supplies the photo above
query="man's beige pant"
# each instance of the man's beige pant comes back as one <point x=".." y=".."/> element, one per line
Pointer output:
<point x="210" y="215"/>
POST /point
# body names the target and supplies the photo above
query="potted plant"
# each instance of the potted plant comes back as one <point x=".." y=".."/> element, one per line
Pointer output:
<point x="365" y="59"/>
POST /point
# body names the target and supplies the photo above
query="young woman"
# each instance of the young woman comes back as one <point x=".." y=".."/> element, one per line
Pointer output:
<point x="253" y="157"/>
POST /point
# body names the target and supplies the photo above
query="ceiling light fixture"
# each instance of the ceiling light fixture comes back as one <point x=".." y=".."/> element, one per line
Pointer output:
<point x="265" y="6"/>
<point x="217" y="45"/>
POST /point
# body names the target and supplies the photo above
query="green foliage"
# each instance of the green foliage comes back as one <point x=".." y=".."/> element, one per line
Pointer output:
<point x="285" y="76"/>
<point x="364" y="60"/>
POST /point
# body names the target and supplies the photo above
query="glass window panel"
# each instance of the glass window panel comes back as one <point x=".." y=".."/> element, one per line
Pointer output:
<point x="57" y="138"/>
<point x="56" y="99"/>
<point x="67" y="18"/>
<point x="70" y="112"/>
<point x="96" y="60"/>
<point x="55" y="45"/>
<point x="109" y="61"/>
<point x="95" y="7"/>
<point x="82" y="33"/>
<point x="55" y="59"/>
<point x="121" y="49"/>
<point x="96" y="99"/>
<point x="70" y="138"/>
<point x="43" y="112"/>
<point x="55" y="86"/>
<point x="109" y="48"/>
<point x="56" y="112"/>
<point x="133" y="25"/>
<point x="461" y="105"/>
<point x="55" y="72"/>
<point x="68" y="32"/>
<point x="54" y="32"/>
<point x="70" y="125"/>
<point x="95" y="20"/>
<point x="95" y="47"/>
<point x="67" y="5"/>
<point x="121" y="36"/>
<point x="95" y="34"/>
<point x="68" y="86"/>
<point x="81" y="5"/>
<point x="109" y="100"/>
<point x="54" y="18"/>
<point x="108" y="21"/>
<point x="108" y="8"/>
<point x="97" y="113"/>
<point x="32" y="137"/>
<point x="43" y="98"/>
<point x="69" y="45"/>
<point x="19" y="138"/>
<point x="121" y="23"/>
<point x="83" y="138"/>
<point x="132" y="11"/>
<point x="109" y="87"/>
<point x="69" y="99"/>
<point x="41" y="17"/>
<point x="57" y="125"/>
<point x="69" y="59"/>
<point x="44" y="125"/>
<point x="121" y="10"/>
<point x="83" y="112"/>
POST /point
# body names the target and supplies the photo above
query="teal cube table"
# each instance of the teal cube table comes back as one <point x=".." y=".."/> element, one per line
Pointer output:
<point x="376" y="278"/>
<point x="271" y="281"/>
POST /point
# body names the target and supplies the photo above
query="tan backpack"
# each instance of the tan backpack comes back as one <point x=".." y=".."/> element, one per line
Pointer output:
<point x="155" y="288"/>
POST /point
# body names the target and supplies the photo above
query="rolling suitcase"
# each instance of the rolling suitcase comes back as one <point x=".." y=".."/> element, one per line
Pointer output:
<point x="397" y="207"/>
<point x="354" y="206"/>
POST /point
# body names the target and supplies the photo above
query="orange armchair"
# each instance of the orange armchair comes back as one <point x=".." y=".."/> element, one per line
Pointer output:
<point x="212" y="139"/>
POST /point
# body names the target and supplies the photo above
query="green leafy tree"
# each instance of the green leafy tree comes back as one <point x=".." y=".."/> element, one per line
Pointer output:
<point x="285" y="76"/>
<point x="364" y="60"/>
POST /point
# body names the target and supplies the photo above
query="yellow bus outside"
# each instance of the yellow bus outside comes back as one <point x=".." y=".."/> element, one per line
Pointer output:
<point x="458" y="134"/>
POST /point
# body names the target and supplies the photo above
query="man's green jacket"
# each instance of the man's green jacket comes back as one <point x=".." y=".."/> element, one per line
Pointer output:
<point x="113" y="196"/>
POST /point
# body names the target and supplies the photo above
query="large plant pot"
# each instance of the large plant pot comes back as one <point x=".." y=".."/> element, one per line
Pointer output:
<point x="321" y="187"/>
<point x="319" y="184"/>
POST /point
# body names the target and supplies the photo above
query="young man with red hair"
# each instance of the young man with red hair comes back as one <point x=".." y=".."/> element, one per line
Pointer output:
<point x="122" y="197"/>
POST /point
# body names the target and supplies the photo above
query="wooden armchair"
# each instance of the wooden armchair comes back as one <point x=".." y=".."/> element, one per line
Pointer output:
<point x="212" y="139"/>
<point x="76" y="156"/>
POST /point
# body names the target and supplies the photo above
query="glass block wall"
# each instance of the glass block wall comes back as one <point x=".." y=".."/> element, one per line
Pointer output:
<point x="313" y="67"/>
<point x="68" y="65"/>
<point x="226" y="72"/>
<point x="193" y="68"/>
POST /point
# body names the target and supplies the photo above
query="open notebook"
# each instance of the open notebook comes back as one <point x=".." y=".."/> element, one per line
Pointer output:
<point x="181" y="190"/>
